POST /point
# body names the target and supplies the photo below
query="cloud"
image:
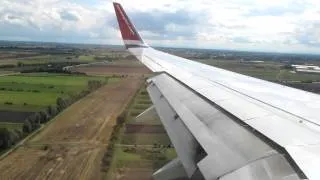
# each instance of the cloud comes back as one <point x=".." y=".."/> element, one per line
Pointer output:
<point x="68" y="16"/>
<point x="167" y="25"/>
<point x="274" y="11"/>
<point x="279" y="9"/>
<point x="309" y="34"/>
<point x="270" y="25"/>
<point x="241" y="40"/>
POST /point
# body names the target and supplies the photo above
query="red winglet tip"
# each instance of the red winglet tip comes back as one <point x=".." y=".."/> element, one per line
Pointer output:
<point x="129" y="34"/>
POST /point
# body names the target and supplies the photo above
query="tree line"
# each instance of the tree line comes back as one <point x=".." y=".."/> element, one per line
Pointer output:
<point x="9" y="137"/>
<point x="48" y="67"/>
<point x="107" y="157"/>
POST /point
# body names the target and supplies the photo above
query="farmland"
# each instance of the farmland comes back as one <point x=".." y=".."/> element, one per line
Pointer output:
<point x="143" y="146"/>
<point x="121" y="67"/>
<point x="29" y="100"/>
<point x="33" y="92"/>
<point x="36" y="85"/>
<point x="75" y="130"/>
<point x="269" y="70"/>
<point x="72" y="145"/>
<point x="82" y="107"/>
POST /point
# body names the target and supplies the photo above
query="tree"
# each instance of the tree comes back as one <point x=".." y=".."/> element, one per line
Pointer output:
<point x="19" y="133"/>
<point x="35" y="121"/>
<point x="43" y="117"/>
<point x="51" y="111"/>
<point x="5" y="138"/>
<point x="61" y="104"/>
<point x="14" y="137"/>
<point x="27" y="126"/>
<point x="67" y="102"/>
<point x="94" y="84"/>
<point x="37" y="118"/>
<point x="20" y="64"/>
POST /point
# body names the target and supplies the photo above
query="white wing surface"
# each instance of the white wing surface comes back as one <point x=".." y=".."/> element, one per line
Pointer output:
<point x="225" y="125"/>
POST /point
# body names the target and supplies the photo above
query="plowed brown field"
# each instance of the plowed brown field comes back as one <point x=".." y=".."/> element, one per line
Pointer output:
<point x="121" y="67"/>
<point x="72" y="146"/>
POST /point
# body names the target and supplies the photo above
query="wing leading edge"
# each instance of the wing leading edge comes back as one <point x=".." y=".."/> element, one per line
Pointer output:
<point x="284" y="117"/>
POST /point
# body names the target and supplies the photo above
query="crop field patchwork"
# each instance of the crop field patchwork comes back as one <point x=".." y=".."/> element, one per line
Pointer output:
<point x="49" y="79"/>
<point x="46" y="59"/>
<point x="70" y="111"/>
<point x="143" y="148"/>
<point x="72" y="145"/>
<point x="35" y="91"/>
<point x="119" y="67"/>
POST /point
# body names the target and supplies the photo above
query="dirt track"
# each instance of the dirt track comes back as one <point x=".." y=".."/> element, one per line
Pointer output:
<point x="72" y="146"/>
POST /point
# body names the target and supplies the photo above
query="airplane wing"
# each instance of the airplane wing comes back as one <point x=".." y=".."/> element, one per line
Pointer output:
<point x="225" y="125"/>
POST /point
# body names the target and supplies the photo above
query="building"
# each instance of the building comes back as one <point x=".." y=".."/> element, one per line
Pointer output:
<point x="306" y="68"/>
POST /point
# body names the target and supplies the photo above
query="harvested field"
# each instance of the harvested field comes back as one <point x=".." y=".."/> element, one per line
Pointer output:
<point x="113" y="69"/>
<point x="141" y="128"/>
<point x="11" y="55"/>
<point x="73" y="144"/>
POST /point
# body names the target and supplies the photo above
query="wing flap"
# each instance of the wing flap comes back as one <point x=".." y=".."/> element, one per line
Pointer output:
<point x="229" y="146"/>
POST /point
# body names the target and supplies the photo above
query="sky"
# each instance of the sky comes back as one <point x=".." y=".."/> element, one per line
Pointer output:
<point x="258" y="25"/>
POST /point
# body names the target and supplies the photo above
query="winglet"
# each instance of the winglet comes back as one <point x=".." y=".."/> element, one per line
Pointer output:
<point x="130" y="36"/>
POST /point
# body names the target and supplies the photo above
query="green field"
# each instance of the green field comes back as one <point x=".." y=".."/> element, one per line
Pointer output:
<point x="88" y="58"/>
<point x="34" y="91"/>
<point x="145" y="139"/>
<point x="142" y="157"/>
<point x="140" y="104"/>
<point x="49" y="79"/>
<point x="31" y="98"/>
